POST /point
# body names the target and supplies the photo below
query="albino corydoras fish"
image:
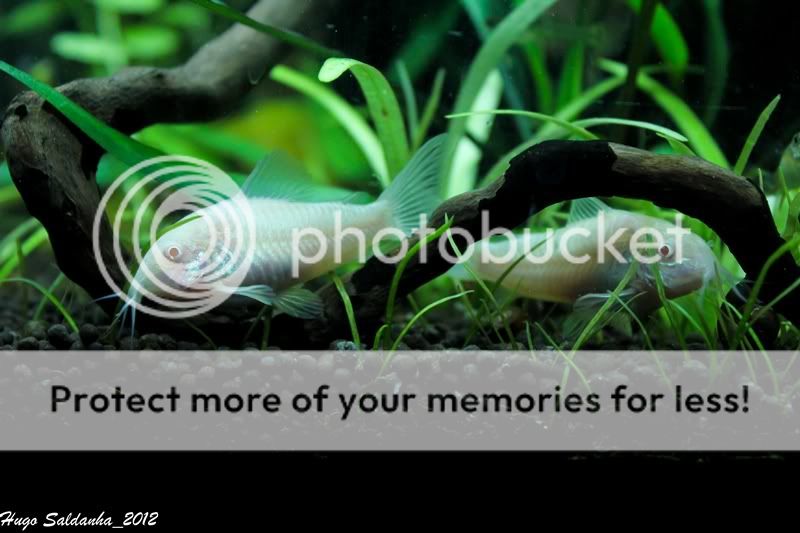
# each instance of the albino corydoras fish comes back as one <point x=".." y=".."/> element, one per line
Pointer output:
<point x="195" y="249"/>
<point x="577" y="269"/>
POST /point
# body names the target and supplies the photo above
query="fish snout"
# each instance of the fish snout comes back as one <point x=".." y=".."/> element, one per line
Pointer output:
<point x="163" y="278"/>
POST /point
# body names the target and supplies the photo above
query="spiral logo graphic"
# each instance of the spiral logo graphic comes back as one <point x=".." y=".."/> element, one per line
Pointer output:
<point x="198" y="262"/>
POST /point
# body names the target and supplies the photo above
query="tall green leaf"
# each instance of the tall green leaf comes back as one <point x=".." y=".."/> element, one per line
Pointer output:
<point x="491" y="53"/>
<point x="755" y="133"/>
<point x="431" y="106"/>
<point x="347" y="116"/>
<point x="383" y="107"/>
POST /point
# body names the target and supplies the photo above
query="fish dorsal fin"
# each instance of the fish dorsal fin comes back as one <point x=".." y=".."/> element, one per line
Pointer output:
<point x="585" y="208"/>
<point x="279" y="177"/>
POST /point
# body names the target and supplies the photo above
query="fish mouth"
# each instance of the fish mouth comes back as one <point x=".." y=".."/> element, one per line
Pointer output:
<point x="165" y="283"/>
<point x="675" y="285"/>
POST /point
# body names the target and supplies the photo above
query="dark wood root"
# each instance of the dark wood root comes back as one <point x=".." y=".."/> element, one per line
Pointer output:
<point x="53" y="164"/>
<point x="556" y="171"/>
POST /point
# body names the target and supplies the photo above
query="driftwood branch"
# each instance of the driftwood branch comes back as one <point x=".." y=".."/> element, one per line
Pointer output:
<point x="53" y="164"/>
<point x="556" y="171"/>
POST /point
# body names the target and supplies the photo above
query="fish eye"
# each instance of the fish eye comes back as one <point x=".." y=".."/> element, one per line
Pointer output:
<point x="665" y="251"/>
<point x="173" y="253"/>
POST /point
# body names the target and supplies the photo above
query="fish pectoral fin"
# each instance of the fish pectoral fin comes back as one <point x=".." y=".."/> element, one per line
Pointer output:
<point x="261" y="293"/>
<point x="295" y="301"/>
<point x="299" y="303"/>
<point x="587" y="306"/>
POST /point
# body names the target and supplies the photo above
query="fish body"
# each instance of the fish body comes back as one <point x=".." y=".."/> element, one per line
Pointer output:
<point x="264" y="246"/>
<point x="571" y="264"/>
<point x="276" y="238"/>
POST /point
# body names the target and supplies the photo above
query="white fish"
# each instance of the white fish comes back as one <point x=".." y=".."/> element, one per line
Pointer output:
<point x="549" y="272"/>
<point x="270" y="278"/>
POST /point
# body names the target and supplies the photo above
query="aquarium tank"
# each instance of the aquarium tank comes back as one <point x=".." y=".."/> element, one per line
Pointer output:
<point x="458" y="188"/>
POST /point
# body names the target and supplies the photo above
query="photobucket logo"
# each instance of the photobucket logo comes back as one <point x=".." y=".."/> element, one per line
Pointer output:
<point x="600" y="241"/>
<point x="195" y="264"/>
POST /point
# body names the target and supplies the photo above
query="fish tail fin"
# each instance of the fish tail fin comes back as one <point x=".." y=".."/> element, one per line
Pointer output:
<point x="414" y="192"/>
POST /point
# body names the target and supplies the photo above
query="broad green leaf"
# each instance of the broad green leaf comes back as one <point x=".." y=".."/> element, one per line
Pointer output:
<point x="688" y="122"/>
<point x="488" y="58"/>
<point x="754" y="135"/>
<point x="88" y="48"/>
<point x="667" y="37"/>
<point x="150" y="42"/>
<point x="348" y="117"/>
<point x="383" y="107"/>
<point x="287" y="36"/>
